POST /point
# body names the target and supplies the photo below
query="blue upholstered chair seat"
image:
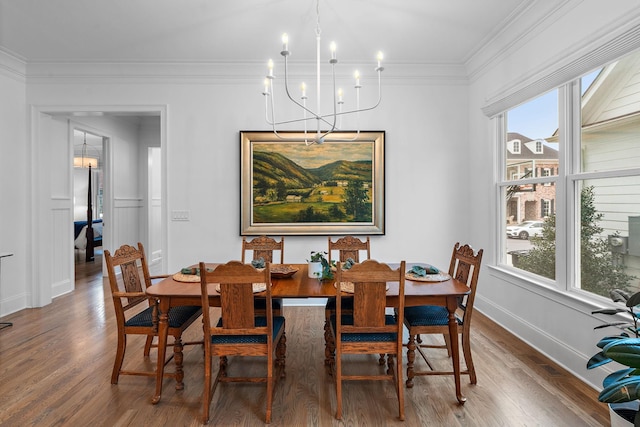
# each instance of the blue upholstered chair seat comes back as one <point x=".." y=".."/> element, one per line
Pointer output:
<point x="347" y="303"/>
<point x="278" y="324"/>
<point x="347" y="319"/>
<point x="428" y="315"/>
<point x="261" y="304"/>
<point x="177" y="316"/>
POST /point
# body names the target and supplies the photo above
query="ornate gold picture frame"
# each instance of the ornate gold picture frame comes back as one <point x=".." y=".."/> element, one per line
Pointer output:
<point x="291" y="187"/>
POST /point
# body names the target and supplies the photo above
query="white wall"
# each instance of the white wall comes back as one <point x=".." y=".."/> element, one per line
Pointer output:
<point x="14" y="188"/>
<point x="426" y="135"/>
<point x="558" y="324"/>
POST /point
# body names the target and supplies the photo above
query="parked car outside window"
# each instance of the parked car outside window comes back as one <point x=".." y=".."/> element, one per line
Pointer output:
<point x="525" y="229"/>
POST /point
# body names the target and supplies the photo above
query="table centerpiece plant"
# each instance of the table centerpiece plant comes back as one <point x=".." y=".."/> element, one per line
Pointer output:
<point x="621" y="389"/>
<point x="319" y="266"/>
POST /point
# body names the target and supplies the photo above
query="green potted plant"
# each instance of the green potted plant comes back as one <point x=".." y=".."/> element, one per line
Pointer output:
<point x="319" y="267"/>
<point x="621" y="389"/>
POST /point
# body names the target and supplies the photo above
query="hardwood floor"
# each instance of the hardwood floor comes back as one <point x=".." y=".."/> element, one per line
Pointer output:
<point x="56" y="361"/>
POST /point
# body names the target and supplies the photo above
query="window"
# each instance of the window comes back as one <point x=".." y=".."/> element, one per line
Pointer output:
<point x="525" y="186"/>
<point x="516" y="147"/>
<point x="545" y="208"/>
<point x="601" y="186"/>
<point x="538" y="147"/>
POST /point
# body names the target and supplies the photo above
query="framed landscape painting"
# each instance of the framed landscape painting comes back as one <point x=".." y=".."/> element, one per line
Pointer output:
<point x="291" y="187"/>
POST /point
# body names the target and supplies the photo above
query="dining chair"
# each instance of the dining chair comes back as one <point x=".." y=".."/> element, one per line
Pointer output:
<point x="263" y="247"/>
<point x="347" y="247"/>
<point x="135" y="312"/>
<point x="367" y="328"/>
<point x="239" y="331"/>
<point x="465" y="267"/>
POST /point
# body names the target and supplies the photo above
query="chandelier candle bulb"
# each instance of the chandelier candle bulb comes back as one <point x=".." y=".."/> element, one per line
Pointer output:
<point x="303" y="89"/>
<point x="270" y="68"/>
<point x="285" y="43"/>
<point x="357" y="76"/>
<point x="340" y="93"/>
<point x="332" y="48"/>
<point x="379" y="57"/>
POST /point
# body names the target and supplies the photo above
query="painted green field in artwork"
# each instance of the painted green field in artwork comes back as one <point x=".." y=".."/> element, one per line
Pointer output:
<point x="323" y="204"/>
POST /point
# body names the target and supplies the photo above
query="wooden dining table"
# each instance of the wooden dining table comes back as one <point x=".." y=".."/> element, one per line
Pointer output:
<point x="170" y="293"/>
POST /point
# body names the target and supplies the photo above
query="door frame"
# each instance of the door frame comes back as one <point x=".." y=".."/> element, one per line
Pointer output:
<point x="41" y="273"/>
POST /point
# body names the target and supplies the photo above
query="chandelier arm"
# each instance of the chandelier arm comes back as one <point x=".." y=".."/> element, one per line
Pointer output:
<point x="286" y="88"/>
<point x="266" y="111"/>
<point x="358" y="110"/>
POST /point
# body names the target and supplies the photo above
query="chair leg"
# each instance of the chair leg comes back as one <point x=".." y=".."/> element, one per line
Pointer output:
<point x="147" y="345"/>
<point x="267" y="418"/>
<point x="327" y="338"/>
<point x="338" y="374"/>
<point x="399" y="387"/>
<point x="466" y="348"/>
<point x="223" y="366"/>
<point x="381" y="359"/>
<point x="411" y="357"/>
<point x="206" y="392"/>
<point x="178" y="358"/>
<point x="332" y="355"/>
<point x="117" y="364"/>
<point x="389" y="364"/>
<point x="281" y="354"/>
<point x="447" y="342"/>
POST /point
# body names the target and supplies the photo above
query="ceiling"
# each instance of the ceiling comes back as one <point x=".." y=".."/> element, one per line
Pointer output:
<point x="207" y="31"/>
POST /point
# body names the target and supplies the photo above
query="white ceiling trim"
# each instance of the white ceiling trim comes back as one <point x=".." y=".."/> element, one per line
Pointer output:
<point x="217" y="73"/>
<point x="605" y="46"/>
<point x="12" y="66"/>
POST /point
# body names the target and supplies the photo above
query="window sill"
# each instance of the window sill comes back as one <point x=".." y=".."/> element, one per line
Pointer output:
<point x="575" y="299"/>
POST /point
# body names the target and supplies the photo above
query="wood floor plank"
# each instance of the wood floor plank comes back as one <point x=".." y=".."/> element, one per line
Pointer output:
<point x="56" y="361"/>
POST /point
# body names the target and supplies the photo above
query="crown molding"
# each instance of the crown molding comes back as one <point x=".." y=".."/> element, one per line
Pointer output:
<point x="218" y="73"/>
<point x="604" y="46"/>
<point x="12" y="66"/>
<point x="519" y="28"/>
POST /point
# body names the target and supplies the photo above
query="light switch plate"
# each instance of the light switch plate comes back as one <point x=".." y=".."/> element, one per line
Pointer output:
<point x="180" y="215"/>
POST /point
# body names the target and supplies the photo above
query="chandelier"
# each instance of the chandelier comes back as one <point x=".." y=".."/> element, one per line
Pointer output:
<point x="333" y="120"/>
<point x="85" y="161"/>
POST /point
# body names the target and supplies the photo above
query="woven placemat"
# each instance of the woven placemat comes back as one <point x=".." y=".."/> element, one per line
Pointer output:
<point x="348" y="287"/>
<point x="187" y="278"/>
<point x="257" y="287"/>
<point x="441" y="277"/>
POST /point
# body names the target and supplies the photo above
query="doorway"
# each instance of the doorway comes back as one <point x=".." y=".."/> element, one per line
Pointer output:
<point x="88" y="202"/>
<point x="129" y="132"/>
